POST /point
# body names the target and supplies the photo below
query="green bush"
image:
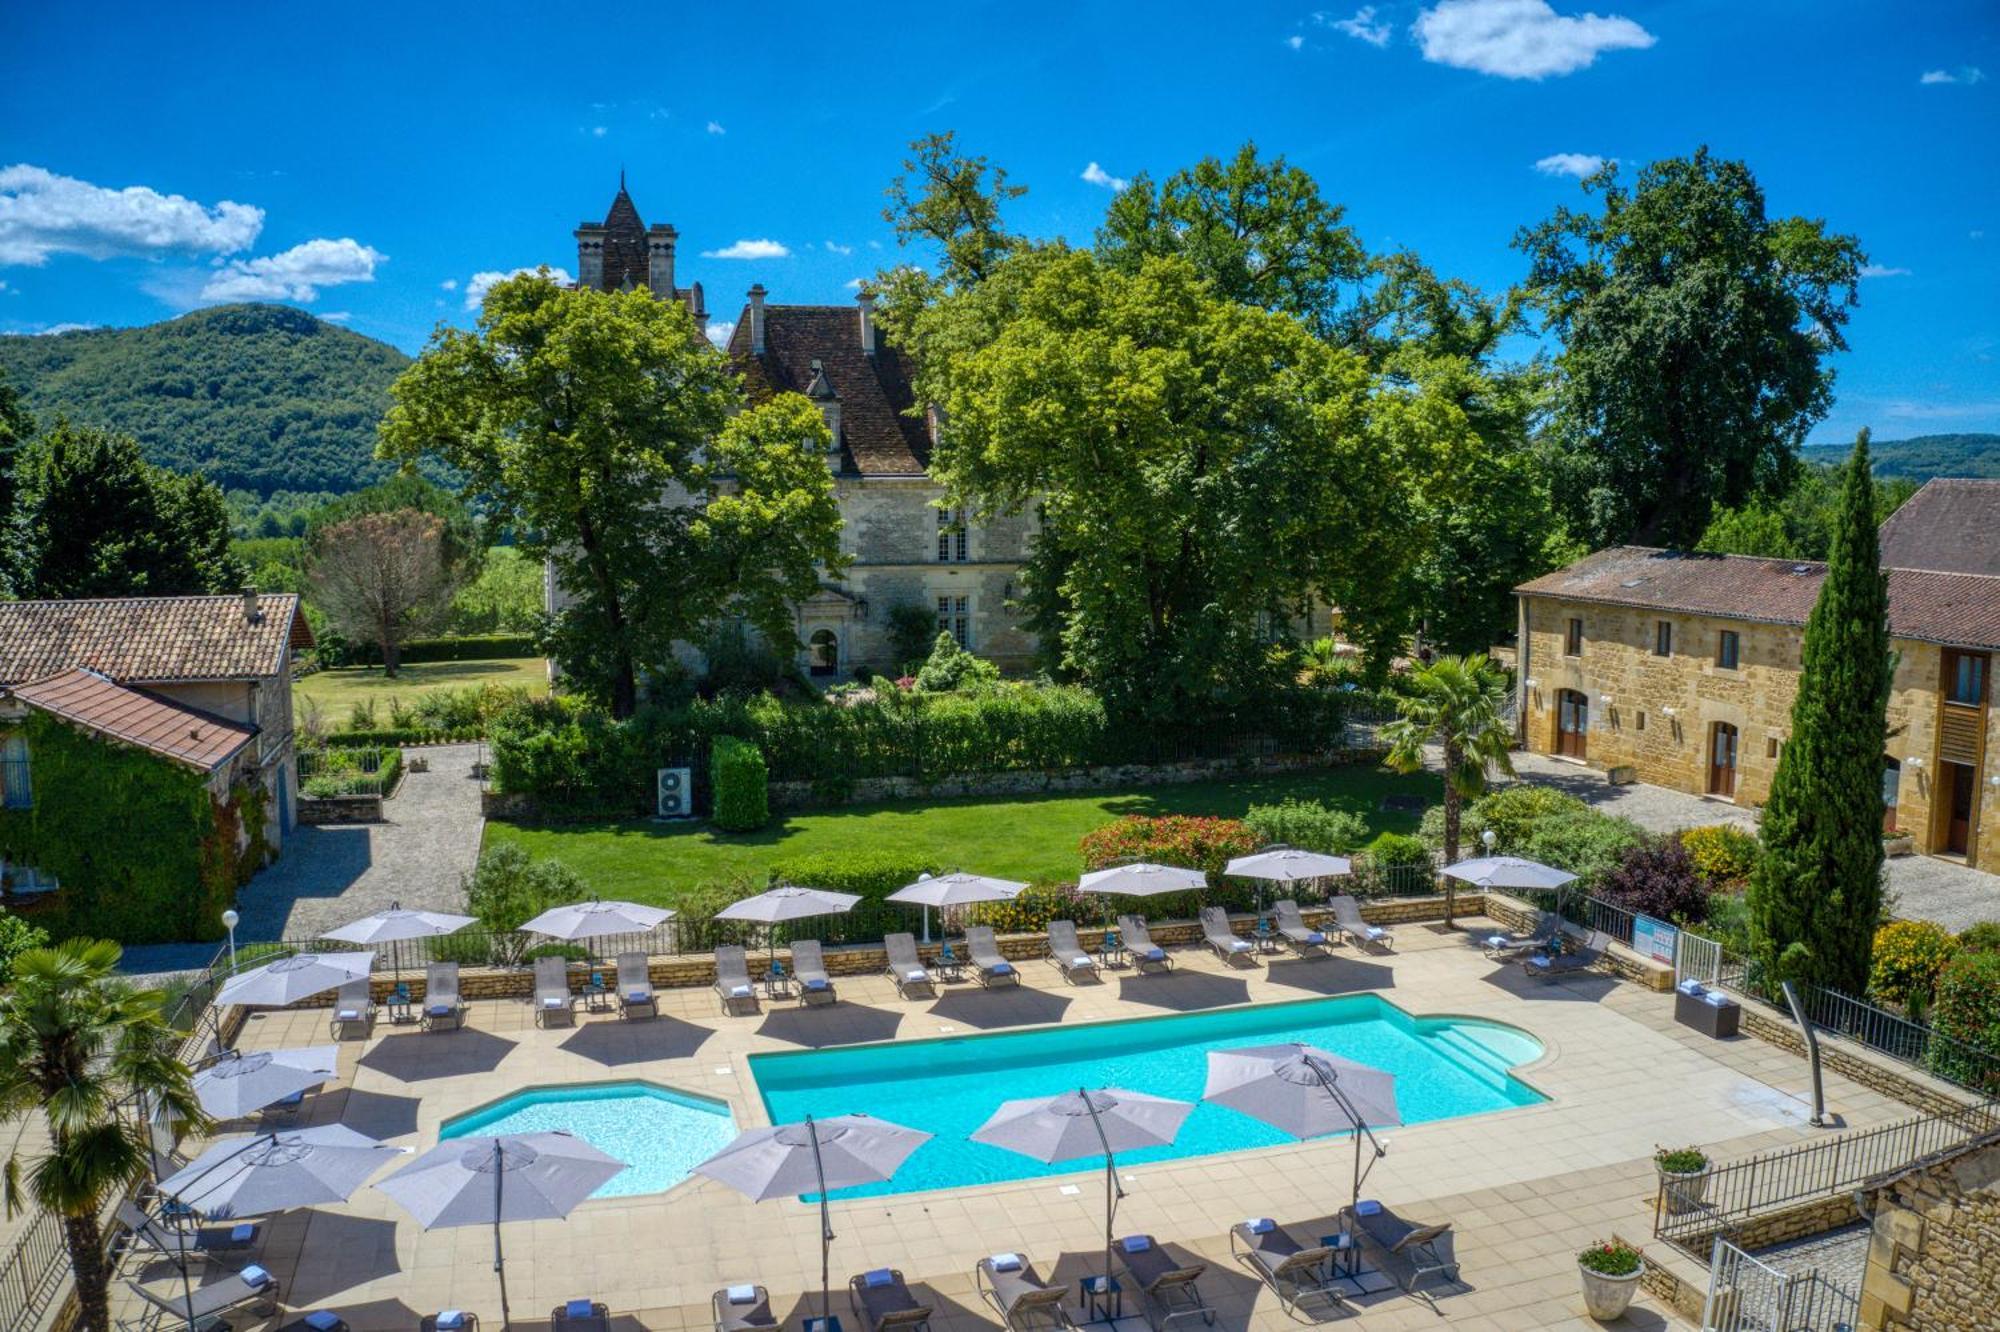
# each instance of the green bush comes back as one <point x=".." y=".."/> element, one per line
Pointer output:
<point x="1309" y="825"/>
<point x="1397" y="849"/>
<point x="1470" y="826"/>
<point x="742" y="791"/>
<point x="951" y="668"/>
<point x="911" y="624"/>
<point x="1967" y="1009"/>
<point x="445" y="711"/>
<point x="1981" y="938"/>
<point x="1514" y="812"/>
<point x="1039" y="903"/>
<point x="384" y="736"/>
<point x="1907" y="957"/>
<point x="505" y="890"/>
<point x="354" y="770"/>
<point x="467" y="647"/>
<point x="1584" y="842"/>
<point x="17" y="936"/>
<point x="1723" y="853"/>
<point x="870" y="875"/>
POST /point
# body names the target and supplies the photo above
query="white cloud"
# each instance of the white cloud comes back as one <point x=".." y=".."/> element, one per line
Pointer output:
<point x="1882" y="271"/>
<point x="715" y="127"/>
<point x="1570" y="164"/>
<point x="1295" y="41"/>
<point x="296" y="274"/>
<point x="1097" y="175"/>
<point x="719" y="331"/>
<point x="1363" y="27"/>
<point x="1521" y="39"/>
<point x="874" y="245"/>
<point x="598" y="131"/>
<point x="338" y="316"/>
<point x="479" y="284"/>
<point x="42" y="214"/>
<point x="852" y="284"/>
<point x="56" y="330"/>
<point x="1967" y="74"/>
<point x="838" y="248"/>
<point x="750" y="249"/>
<point x="449" y="284"/>
<point x="1975" y="235"/>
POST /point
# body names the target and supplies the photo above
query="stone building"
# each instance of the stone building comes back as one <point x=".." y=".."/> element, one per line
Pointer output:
<point x="907" y="551"/>
<point x="1683" y="668"/>
<point x="1935" y="1235"/>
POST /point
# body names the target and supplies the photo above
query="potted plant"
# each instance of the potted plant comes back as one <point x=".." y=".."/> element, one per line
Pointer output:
<point x="1611" y="1273"/>
<point x="1683" y="1177"/>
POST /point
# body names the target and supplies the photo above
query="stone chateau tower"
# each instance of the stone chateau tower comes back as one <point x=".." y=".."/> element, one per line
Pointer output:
<point x="622" y="253"/>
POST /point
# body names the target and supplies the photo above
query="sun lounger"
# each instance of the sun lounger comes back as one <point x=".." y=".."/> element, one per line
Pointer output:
<point x="449" y="1320"/>
<point x="1515" y="945"/>
<point x="318" y="1320"/>
<point x="443" y="1009"/>
<point x="1293" y="928"/>
<point x="809" y="968"/>
<point x="1067" y="952"/>
<point x="152" y="1234"/>
<point x="1543" y="965"/>
<point x="732" y="978"/>
<point x="353" y="1010"/>
<point x="1166" y="1286"/>
<point x="1409" y="1254"/>
<point x="1347" y="920"/>
<point x="905" y="967"/>
<point x="552" y="992"/>
<point x="1215" y="932"/>
<point x="203" y="1305"/>
<point x="1146" y="955"/>
<point x="1295" y="1272"/>
<point x="985" y="955"/>
<point x="580" y="1316"/>
<point x="882" y="1301"/>
<point x="635" y="987"/>
<point x="1010" y="1283"/>
<point x="742" y="1309"/>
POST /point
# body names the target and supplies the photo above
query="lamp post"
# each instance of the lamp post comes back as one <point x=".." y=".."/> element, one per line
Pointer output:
<point x="229" y="919"/>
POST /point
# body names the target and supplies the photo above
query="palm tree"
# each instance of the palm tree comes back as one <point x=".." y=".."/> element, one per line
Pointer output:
<point x="1460" y="705"/>
<point x="75" y="1042"/>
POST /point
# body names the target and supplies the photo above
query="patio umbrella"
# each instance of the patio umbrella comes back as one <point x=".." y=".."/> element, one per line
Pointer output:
<point x="775" y="906"/>
<point x="398" y="924"/>
<point x="1287" y="865"/>
<point x="955" y="889"/>
<point x="291" y="979"/>
<point x="482" y="1181"/>
<point x="1306" y="1092"/>
<point x="1509" y="872"/>
<point x="787" y="1160"/>
<point x="276" y="1171"/>
<point x="1140" y="880"/>
<point x="1086" y="1123"/>
<point x="595" y="919"/>
<point x="241" y="1084"/>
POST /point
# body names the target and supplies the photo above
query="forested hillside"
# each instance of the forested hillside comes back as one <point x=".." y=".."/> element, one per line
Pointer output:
<point x="1924" y="456"/>
<point x="260" y="398"/>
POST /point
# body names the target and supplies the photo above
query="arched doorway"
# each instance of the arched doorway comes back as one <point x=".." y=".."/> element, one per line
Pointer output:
<point x="1892" y="786"/>
<point x="824" y="649"/>
<point x="1722" y="760"/>
<point x="1572" y="723"/>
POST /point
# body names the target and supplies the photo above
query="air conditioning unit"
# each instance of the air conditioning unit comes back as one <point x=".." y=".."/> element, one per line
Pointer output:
<point x="673" y="793"/>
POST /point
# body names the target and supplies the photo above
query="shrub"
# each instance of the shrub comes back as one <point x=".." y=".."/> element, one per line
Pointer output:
<point x="354" y="770"/>
<point x="1038" y="904"/>
<point x="951" y="668"/>
<point x="1397" y="849"/>
<point x="1967" y="1009"/>
<point x="740" y="664"/>
<point x="1309" y="825"/>
<point x="1657" y="879"/>
<point x="1723" y="853"/>
<point x="911" y="624"/>
<point x="1906" y="961"/>
<point x="1613" y="1258"/>
<point x="742" y="790"/>
<point x="1584" y="842"/>
<point x="1981" y="938"/>
<point x="1172" y="839"/>
<point x="1513" y="813"/>
<point x="465" y="647"/>
<point x="1681" y="1160"/>
<point x="505" y="890"/>
<point x="17" y="936"/>
<point x="1470" y="826"/>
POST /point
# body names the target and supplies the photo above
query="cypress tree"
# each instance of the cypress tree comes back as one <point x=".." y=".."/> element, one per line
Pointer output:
<point x="1816" y="892"/>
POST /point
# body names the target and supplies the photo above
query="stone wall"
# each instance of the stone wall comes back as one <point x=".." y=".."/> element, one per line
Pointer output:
<point x="1932" y="1255"/>
<point x="1519" y="917"/>
<point x="317" y="810"/>
<point x="1876" y="1072"/>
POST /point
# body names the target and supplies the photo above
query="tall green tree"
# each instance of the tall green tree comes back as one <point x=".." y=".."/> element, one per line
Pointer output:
<point x="76" y="1041"/>
<point x="1458" y="704"/>
<point x="16" y="428"/>
<point x="465" y="537"/>
<point x="1695" y="328"/>
<point x="954" y="203"/>
<point x="598" y="428"/>
<point x="1815" y="894"/>
<point x="1797" y="525"/>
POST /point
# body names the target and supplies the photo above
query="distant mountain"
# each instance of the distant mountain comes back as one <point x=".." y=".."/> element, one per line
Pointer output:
<point x="1922" y="457"/>
<point x="258" y="397"/>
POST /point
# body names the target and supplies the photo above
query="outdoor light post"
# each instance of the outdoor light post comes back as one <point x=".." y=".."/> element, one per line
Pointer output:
<point x="229" y="919"/>
<point x="1487" y="839"/>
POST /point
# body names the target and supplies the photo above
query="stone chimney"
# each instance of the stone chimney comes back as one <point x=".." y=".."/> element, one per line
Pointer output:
<point x="660" y="239"/>
<point x="590" y="256"/>
<point x="865" y="302"/>
<point x="757" y="320"/>
<point x="251" y="613"/>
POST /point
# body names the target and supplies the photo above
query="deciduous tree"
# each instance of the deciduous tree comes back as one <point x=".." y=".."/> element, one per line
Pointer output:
<point x="382" y="578"/>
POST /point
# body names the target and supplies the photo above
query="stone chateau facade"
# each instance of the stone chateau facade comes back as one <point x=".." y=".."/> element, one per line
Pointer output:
<point x="906" y="549"/>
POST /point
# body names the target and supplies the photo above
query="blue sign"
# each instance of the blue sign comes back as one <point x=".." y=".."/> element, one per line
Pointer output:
<point x="1654" y="939"/>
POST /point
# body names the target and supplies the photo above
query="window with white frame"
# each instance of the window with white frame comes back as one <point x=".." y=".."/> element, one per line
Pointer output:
<point x="16" y="790"/>
<point x="954" y="617"/>
<point x="951" y="536"/>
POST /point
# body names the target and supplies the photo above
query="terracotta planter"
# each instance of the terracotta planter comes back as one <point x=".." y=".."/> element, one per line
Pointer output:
<point x="1682" y="1190"/>
<point x="1606" y="1297"/>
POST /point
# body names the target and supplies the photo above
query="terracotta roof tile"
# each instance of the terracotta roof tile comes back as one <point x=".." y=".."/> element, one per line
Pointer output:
<point x="150" y="639"/>
<point x="1952" y="525"/>
<point x="135" y="717"/>
<point x="876" y="438"/>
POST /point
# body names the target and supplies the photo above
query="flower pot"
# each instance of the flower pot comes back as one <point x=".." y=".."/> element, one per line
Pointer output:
<point x="1682" y="1190"/>
<point x="1606" y="1297"/>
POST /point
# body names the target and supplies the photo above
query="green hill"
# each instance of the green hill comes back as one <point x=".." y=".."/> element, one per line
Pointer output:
<point x="1923" y="456"/>
<point x="258" y="397"/>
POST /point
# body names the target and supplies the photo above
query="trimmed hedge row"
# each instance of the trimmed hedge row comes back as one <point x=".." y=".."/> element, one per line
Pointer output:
<point x="406" y="735"/>
<point x="742" y="791"/>
<point x="468" y="647"/>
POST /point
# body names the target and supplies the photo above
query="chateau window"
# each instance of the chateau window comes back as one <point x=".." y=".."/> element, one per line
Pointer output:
<point x="954" y="617"/>
<point x="16" y="792"/>
<point x="1965" y="678"/>
<point x="1573" y="639"/>
<point x="1725" y="649"/>
<point x="1642" y="721"/>
<point x="1663" y="638"/>
<point x="951" y="536"/>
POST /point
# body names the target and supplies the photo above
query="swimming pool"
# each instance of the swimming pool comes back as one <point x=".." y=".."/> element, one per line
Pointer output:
<point x="1444" y="1067"/>
<point x="660" y="1134"/>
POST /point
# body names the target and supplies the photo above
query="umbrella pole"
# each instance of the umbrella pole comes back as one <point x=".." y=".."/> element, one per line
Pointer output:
<point x="825" y="1227"/>
<point x="499" y="1258"/>
<point x="1326" y="1080"/>
<point x="1111" y="1190"/>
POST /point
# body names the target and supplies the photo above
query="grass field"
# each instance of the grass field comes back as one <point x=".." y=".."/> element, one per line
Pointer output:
<point x="333" y="692"/>
<point x="1032" y="838"/>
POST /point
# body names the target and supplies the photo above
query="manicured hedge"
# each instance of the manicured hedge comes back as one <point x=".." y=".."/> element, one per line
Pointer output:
<point x="404" y="735"/>
<point x="469" y="647"/>
<point x="742" y="790"/>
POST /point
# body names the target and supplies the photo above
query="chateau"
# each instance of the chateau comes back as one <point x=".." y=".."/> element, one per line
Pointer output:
<point x="906" y="549"/>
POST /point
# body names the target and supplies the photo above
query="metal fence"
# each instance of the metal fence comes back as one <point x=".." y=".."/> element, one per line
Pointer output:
<point x="1746" y="1294"/>
<point x="34" y="1274"/>
<point x="1590" y="913"/>
<point x="328" y="772"/>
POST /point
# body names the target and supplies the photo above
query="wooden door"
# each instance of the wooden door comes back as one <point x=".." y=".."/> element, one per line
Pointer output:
<point x="1960" y="783"/>
<point x="1722" y="760"/>
<point x="1572" y="723"/>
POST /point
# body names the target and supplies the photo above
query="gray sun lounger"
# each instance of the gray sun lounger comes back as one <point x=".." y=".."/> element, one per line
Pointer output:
<point x="205" y="1304"/>
<point x="905" y="967"/>
<point x="443" y="1009"/>
<point x="1166" y="1286"/>
<point x="1293" y="1271"/>
<point x="809" y="969"/>
<point x="732" y="978"/>
<point x="157" y="1236"/>
<point x="1347" y="919"/>
<point x="984" y="953"/>
<point x="742" y="1315"/>
<point x="635" y="987"/>
<point x="1146" y="955"/>
<point x="1215" y="932"/>
<point x="552" y="993"/>
<point x="1010" y="1283"/>
<point x="1572" y="959"/>
<point x="353" y="1010"/>
<point x="580" y="1316"/>
<point x="1067" y="951"/>
<point x="1411" y="1255"/>
<point x="886" y="1303"/>
<point x="1515" y="945"/>
<point x="1293" y="929"/>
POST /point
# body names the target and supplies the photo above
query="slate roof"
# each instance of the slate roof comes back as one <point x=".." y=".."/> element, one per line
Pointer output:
<point x="625" y="259"/>
<point x="1936" y="607"/>
<point x="1951" y="524"/>
<point x="133" y="716"/>
<point x="876" y="439"/>
<point x="149" y="640"/>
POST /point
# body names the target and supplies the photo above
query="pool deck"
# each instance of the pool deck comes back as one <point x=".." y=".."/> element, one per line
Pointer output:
<point x="1525" y="1187"/>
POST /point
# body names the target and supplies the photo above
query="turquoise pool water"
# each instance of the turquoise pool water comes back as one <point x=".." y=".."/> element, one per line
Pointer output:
<point x="1444" y="1067"/>
<point x="659" y="1134"/>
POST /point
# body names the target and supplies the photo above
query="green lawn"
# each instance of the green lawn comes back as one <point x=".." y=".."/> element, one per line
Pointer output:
<point x="1032" y="838"/>
<point x="333" y="692"/>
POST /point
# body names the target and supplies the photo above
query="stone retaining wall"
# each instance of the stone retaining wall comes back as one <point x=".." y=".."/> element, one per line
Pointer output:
<point x="317" y="810"/>
<point x="1519" y="917"/>
<point x="1663" y="1282"/>
<point x="1873" y="1072"/>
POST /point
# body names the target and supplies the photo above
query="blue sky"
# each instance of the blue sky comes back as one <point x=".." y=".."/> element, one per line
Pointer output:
<point x="357" y="159"/>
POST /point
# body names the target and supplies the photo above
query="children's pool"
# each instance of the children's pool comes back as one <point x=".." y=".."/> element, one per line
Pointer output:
<point x="661" y="1135"/>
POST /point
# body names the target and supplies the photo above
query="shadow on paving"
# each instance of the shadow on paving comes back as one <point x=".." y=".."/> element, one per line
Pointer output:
<point x="1017" y="1006"/>
<point x="421" y="1056"/>
<point x="377" y="1114"/>
<point x="1331" y="975"/>
<point x="617" y="1042"/>
<point x="840" y="1024"/>
<point x="351" y="1250"/>
<point x="1577" y="987"/>
<point x="1183" y="991"/>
